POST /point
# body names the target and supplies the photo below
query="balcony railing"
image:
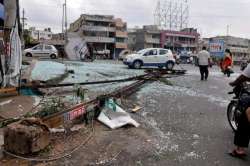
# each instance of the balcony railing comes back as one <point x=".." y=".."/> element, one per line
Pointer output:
<point x="153" y="40"/>
<point x="121" y="34"/>
<point x="99" y="39"/>
<point x="239" y="50"/>
<point x="98" y="28"/>
<point x="101" y="19"/>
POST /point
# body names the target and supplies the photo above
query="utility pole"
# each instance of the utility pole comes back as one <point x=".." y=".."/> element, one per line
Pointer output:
<point x="66" y="22"/>
<point x="63" y="19"/>
<point x="228" y="27"/>
<point x="181" y="21"/>
<point x="170" y="16"/>
<point x="23" y="21"/>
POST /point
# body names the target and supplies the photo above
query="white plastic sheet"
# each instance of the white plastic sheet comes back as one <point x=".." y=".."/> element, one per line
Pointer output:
<point x="16" y="57"/>
<point x="115" y="117"/>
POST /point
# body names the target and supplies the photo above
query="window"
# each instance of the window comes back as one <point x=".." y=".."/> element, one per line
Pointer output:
<point x="163" y="52"/>
<point x="39" y="47"/>
<point x="151" y="52"/>
<point x="48" y="48"/>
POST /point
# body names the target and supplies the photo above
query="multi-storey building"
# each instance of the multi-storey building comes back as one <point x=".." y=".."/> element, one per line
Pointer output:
<point x="147" y="37"/>
<point x="38" y="35"/>
<point x="132" y="32"/>
<point x="151" y="37"/>
<point x="121" y="36"/>
<point x="107" y="34"/>
<point x="186" y="39"/>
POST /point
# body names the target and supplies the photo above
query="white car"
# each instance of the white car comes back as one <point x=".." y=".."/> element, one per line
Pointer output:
<point x="42" y="50"/>
<point x="152" y="57"/>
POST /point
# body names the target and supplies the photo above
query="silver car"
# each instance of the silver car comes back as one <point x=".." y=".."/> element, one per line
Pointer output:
<point x="42" y="50"/>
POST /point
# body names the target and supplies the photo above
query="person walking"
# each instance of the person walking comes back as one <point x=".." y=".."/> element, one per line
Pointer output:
<point x="204" y="62"/>
<point x="227" y="62"/>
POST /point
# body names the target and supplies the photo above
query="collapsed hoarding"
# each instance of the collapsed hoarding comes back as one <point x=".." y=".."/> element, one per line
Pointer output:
<point x="76" y="47"/>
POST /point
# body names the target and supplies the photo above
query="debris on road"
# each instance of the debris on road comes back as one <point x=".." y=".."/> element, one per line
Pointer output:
<point x="136" y="109"/>
<point x="5" y="102"/>
<point x="26" y="136"/>
<point x="61" y="114"/>
<point x="115" y="117"/>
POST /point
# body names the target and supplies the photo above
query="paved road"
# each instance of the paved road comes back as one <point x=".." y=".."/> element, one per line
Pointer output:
<point x="190" y="120"/>
<point x="181" y="125"/>
<point x="184" y="124"/>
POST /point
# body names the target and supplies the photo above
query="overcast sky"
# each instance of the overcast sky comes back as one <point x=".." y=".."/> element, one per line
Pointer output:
<point x="211" y="17"/>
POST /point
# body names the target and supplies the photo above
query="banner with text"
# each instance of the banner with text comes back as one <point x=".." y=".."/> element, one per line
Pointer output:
<point x="216" y="48"/>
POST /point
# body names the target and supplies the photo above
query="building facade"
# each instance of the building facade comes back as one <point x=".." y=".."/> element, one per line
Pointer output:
<point x="107" y="34"/>
<point x="146" y="37"/>
<point x="121" y="36"/>
<point x="132" y="39"/>
<point x="151" y="37"/>
<point x="38" y="35"/>
<point x="240" y="47"/>
<point x="184" y="40"/>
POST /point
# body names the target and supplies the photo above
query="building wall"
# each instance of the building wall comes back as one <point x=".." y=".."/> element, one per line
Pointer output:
<point x="146" y="37"/>
<point x="121" y="34"/>
<point x="40" y="34"/>
<point x="132" y="39"/>
<point x="151" y="37"/>
<point x="186" y="39"/>
<point x="104" y="31"/>
<point x="238" y="46"/>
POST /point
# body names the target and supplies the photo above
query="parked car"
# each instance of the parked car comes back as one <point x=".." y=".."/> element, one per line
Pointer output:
<point x="42" y="50"/>
<point x="152" y="57"/>
<point x="123" y="54"/>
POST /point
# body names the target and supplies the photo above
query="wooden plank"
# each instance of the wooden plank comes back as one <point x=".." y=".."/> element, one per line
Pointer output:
<point x="55" y="121"/>
<point x="5" y="92"/>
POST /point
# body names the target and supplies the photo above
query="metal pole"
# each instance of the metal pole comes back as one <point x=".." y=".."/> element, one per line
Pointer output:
<point x="63" y="19"/>
<point x="66" y="22"/>
<point x="23" y="20"/>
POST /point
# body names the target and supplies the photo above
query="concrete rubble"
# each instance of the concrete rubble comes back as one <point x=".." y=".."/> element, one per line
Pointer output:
<point x="26" y="137"/>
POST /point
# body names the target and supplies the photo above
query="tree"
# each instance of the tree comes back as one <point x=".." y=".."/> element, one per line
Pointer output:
<point x="27" y="36"/>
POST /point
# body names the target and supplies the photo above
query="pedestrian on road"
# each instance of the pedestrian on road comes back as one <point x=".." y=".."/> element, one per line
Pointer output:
<point x="91" y="55"/>
<point x="227" y="62"/>
<point x="242" y="135"/>
<point x="204" y="63"/>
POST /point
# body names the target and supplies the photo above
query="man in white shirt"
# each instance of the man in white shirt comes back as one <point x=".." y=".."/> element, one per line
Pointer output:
<point x="242" y="135"/>
<point x="204" y="62"/>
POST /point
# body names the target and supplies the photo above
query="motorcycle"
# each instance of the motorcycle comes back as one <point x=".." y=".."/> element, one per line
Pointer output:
<point x="243" y="65"/>
<point x="235" y="107"/>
